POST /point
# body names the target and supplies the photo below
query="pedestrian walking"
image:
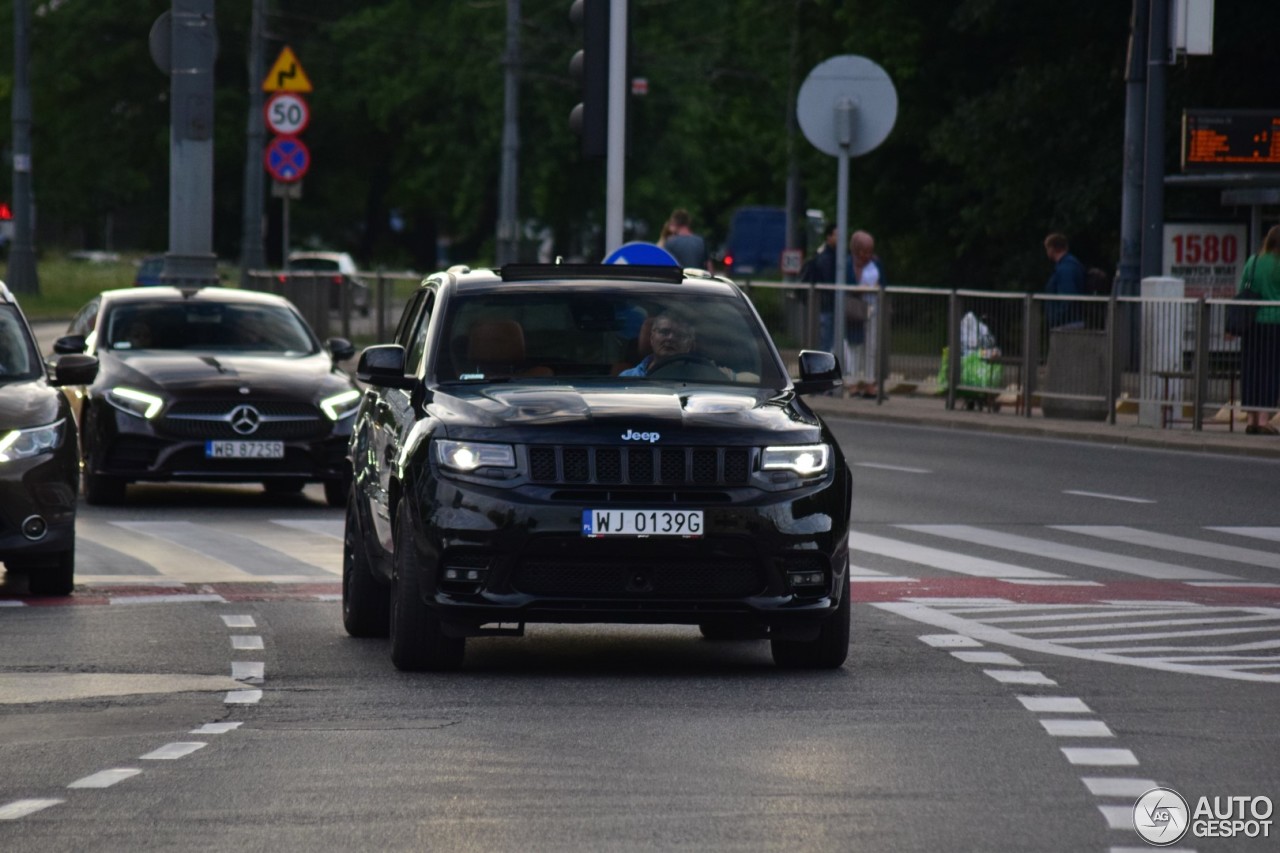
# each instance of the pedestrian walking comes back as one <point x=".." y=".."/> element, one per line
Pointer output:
<point x="685" y="246"/>
<point x="1260" y="343"/>
<point x="860" y="315"/>
<point x="1067" y="280"/>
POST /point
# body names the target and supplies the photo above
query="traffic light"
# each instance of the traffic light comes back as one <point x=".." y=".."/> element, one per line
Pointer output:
<point x="590" y="66"/>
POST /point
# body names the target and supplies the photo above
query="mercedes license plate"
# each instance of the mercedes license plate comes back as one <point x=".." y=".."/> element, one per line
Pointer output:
<point x="641" y="522"/>
<point x="244" y="449"/>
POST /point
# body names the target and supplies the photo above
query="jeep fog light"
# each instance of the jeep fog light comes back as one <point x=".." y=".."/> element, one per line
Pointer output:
<point x="804" y="459"/>
<point x="470" y="455"/>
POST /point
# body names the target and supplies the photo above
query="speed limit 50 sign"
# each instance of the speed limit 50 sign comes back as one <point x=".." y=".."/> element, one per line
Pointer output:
<point x="287" y="113"/>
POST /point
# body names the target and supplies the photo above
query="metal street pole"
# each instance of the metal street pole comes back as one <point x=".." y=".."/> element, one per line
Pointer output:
<point x="22" y="276"/>
<point x="844" y="138"/>
<point x="253" y="255"/>
<point x="1153" y="159"/>
<point x="615" y="162"/>
<point x="508" y="229"/>
<point x="1130" y="267"/>
<point x="190" y="259"/>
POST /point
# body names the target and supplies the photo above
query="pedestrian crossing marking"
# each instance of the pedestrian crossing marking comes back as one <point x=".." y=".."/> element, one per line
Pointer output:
<point x="1178" y="544"/>
<point x="188" y="565"/>
<point x="940" y="559"/>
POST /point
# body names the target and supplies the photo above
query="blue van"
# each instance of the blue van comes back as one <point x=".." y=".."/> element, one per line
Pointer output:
<point x="757" y="236"/>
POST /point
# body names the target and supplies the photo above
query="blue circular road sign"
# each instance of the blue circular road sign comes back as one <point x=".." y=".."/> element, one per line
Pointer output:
<point x="646" y="254"/>
<point x="287" y="159"/>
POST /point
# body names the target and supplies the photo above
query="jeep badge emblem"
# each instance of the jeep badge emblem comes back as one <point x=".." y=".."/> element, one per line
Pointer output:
<point x="632" y="435"/>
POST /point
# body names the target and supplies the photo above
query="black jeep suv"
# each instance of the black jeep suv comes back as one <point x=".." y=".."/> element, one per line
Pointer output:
<point x="593" y="444"/>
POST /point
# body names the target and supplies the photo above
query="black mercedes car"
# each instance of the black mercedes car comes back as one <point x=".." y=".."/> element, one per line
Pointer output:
<point x="39" y="457"/>
<point x="593" y="444"/>
<point x="212" y="385"/>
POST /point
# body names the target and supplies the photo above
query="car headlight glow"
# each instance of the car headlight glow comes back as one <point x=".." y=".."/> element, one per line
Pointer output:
<point x="342" y="405"/>
<point x="137" y="403"/>
<point x="25" y="443"/>
<point x="470" y="455"/>
<point x="804" y="459"/>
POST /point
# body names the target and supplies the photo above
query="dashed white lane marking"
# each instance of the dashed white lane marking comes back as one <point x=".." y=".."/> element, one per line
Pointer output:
<point x="1116" y="786"/>
<point x="1020" y="676"/>
<point x="1177" y="544"/>
<point x="949" y="641"/>
<point x="1067" y="553"/>
<point x="170" y="751"/>
<point x="239" y="622"/>
<point x="215" y="728"/>
<point x="1092" y="756"/>
<point x="244" y="697"/>
<point x="167" y="599"/>
<point x="939" y="559"/>
<point x="105" y="778"/>
<point x="902" y="468"/>
<point x="22" y="808"/>
<point x="246" y="642"/>
<point x="1054" y="705"/>
<point x="1106" y="497"/>
<point x="250" y="671"/>
<point x="994" y="658"/>
<point x="1118" y="817"/>
<point x="1077" y="728"/>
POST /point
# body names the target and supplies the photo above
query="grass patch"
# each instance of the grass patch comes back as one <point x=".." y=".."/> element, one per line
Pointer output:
<point x="66" y="284"/>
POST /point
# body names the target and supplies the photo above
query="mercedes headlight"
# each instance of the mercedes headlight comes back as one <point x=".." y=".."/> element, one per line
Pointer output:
<point x="25" y="443"/>
<point x="807" y="460"/>
<point x="342" y="405"/>
<point x="470" y="455"/>
<point x="137" y="403"/>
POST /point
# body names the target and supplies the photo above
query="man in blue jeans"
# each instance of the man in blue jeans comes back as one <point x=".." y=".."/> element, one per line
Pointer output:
<point x="1067" y="280"/>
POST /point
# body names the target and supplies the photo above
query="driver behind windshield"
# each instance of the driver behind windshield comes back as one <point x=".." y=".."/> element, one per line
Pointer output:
<point x="670" y="335"/>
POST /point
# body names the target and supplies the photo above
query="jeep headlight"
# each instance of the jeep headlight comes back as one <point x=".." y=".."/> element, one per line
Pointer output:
<point x="25" y="443"/>
<point x="342" y="405"/>
<point x="806" y="460"/>
<point x="470" y="455"/>
<point x="137" y="403"/>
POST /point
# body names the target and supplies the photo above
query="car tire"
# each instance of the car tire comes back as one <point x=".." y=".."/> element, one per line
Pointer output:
<point x="366" y="606"/>
<point x="732" y="631"/>
<point x="418" y="641"/>
<point x="284" y="487"/>
<point x="336" y="491"/>
<point x="826" y="651"/>
<point x="101" y="490"/>
<point x="56" y="578"/>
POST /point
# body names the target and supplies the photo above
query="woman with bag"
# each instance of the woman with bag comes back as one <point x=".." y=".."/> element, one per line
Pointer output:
<point x="1260" y="348"/>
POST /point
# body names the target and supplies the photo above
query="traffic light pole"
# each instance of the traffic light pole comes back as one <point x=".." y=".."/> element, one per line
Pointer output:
<point x="22" y="274"/>
<point x="615" y="163"/>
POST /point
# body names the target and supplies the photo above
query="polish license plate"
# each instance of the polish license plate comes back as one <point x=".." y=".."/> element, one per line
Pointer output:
<point x="642" y="523"/>
<point x="244" y="449"/>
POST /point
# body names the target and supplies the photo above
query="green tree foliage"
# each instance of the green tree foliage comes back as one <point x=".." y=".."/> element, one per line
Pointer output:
<point x="1010" y="124"/>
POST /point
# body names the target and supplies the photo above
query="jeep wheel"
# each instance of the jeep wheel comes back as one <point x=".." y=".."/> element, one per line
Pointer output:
<point x="366" y="607"/>
<point x="417" y="639"/>
<point x="826" y="651"/>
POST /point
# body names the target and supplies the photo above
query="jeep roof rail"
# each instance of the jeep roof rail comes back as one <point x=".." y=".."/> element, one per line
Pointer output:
<point x="551" y="272"/>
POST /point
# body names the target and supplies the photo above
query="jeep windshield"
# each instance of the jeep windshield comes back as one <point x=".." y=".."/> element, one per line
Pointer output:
<point x="630" y="334"/>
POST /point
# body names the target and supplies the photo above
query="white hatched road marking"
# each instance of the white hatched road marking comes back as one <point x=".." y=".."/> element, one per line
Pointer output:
<point x="1068" y="553"/>
<point x="1178" y="544"/>
<point x="1121" y="645"/>
<point x="940" y="559"/>
<point x="1271" y="534"/>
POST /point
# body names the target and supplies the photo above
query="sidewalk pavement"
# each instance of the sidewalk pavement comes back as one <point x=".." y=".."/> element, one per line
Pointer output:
<point x="929" y="410"/>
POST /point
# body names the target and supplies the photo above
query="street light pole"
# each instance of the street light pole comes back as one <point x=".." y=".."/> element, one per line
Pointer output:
<point x="22" y="256"/>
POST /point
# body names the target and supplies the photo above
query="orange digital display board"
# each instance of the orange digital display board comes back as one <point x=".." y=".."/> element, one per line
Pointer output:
<point x="1230" y="140"/>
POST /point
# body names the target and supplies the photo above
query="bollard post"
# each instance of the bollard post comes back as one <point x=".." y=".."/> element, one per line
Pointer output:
<point x="1113" y="359"/>
<point x="953" y="347"/>
<point x="1199" y="365"/>
<point x="380" y="305"/>
<point x="1031" y="353"/>
<point x="882" y="345"/>
<point x="811" y="318"/>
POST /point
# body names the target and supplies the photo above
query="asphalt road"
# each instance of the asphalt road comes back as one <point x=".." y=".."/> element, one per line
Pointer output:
<point x="1043" y="628"/>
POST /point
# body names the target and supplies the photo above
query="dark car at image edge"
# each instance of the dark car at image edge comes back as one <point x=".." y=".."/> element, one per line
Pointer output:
<point x="39" y="457"/>
<point x="507" y="471"/>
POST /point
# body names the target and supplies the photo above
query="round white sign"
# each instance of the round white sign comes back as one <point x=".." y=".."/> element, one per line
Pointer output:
<point x="287" y="113"/>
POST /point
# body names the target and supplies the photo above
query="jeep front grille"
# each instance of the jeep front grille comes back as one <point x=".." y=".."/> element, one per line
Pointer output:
<point x="640" y="466"/>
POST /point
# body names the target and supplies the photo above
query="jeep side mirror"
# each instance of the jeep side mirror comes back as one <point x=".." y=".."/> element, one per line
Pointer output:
<point x="383" y="366"/>
<point x="819" y="372"/>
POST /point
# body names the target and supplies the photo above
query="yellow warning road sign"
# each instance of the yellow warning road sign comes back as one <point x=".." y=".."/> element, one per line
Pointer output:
<point x="286" y="75"/>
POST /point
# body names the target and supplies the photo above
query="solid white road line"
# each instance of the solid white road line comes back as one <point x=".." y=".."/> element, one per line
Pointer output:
<point x="22" y="808"/>
<point x="170" y="751"/>
<point x="1177" y="544"/>
<point x="246" y="642"/>
<point x="1067" y="553"/>
<point x="1054" y="705"/>
<point x="1092" y="756"/>
<point x="105" y="778"/>
<point x="1116" y="786"/>
<point x="939" y="559"/>
<point x="1020" y="676"/>
<point x="1107" y="497"/>
<point x="1077" y="728"/>
<point x="239" y="622"/>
